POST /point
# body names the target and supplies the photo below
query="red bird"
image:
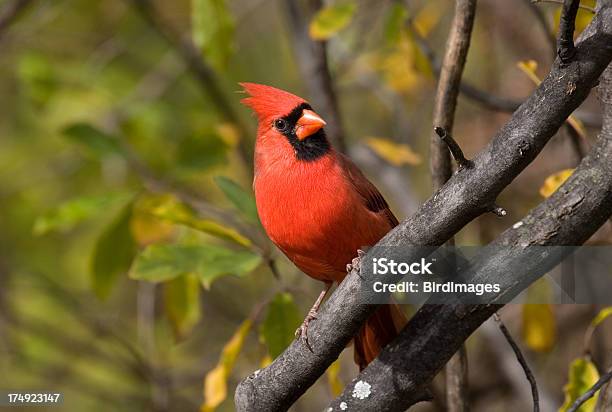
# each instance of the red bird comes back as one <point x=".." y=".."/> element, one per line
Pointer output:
<point x="316" y="205"/>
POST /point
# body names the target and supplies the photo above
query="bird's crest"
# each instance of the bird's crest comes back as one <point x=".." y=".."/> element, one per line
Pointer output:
<point x="267" y="101"/>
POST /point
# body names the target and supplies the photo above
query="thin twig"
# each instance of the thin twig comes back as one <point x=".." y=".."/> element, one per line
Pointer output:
<point x="521" y="359"/>
<point x="567" y="24"/>
<point x="445" y="101"/>
<point x="582" y="6"/>
<point x="604" y="400"/>
<point x="591" y="392"/>
<point x="454" y="148"/>
<point x="445" y="104"/>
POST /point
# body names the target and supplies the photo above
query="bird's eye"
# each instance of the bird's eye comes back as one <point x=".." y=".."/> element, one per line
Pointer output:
<point x="280" y="124"/>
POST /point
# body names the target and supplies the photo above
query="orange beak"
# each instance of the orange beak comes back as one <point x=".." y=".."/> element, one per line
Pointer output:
<point x="308" y="124"/>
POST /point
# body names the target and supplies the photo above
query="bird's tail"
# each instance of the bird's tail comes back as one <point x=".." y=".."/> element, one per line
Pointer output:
<point x="380" y="329"/>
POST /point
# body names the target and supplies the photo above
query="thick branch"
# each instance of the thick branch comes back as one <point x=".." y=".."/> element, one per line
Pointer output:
<point x="312" y="62"/>
<point x="464" y="197"/>
<point x="568" y="217"/>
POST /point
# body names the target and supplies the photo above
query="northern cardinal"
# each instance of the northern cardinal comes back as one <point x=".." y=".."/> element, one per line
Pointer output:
<point x="316" y="205"/>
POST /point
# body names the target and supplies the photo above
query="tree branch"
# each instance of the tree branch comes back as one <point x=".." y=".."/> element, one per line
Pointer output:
<point x="465" y="196"/>
<point x="445" y="104"/>
<point x="567" y="24"/>
<point x="604" y="402"/>
<point x="453" y="146"/>
<point x="569" y="217"/>
<point x="449" y="82"/>
<point x="312" y="62"/>
<point x="581" y="6"/>
<point x="522" y="361"/>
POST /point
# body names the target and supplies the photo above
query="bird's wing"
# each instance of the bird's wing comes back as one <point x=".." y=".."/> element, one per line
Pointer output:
<point x="372" y="198"/>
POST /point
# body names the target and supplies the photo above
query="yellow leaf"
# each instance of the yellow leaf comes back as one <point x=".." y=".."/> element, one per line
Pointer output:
<point x="330" y="20"/>
<point x="215" y="382"/>
<point x="554" y="181"/>
<point x="601" y="316"/>
<point x="215" y="388"/>
<point x="395" y="153"/>
<point x="335" y="384"/>
<point x="582" y="376"/>
<point x="539" y="328"/>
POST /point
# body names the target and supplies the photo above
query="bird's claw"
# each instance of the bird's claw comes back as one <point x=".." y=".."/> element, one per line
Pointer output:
<point x="356" y="262"/>
<point x="301" y="333"/>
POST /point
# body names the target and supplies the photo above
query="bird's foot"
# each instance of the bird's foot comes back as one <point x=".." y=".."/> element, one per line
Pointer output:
<point x="301" y="333"/>
<point x="356" y="262"/>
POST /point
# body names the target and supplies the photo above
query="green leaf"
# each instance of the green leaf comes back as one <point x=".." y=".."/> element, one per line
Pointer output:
<point x="72" y="212"/>
<point x="113" y="253"/>
<point x="96" y="141"/>
<point x="182" y="304"/>
<point x="582" y="376"/>
<point x="158" y="263"/>
<point x="213" y="30"/>
<point x="330" y="20"/>
<point x="278" y="328"/>
<point x="394" y="24"/>
<point x="243" y="200"/>
<point x="172" y="210"/>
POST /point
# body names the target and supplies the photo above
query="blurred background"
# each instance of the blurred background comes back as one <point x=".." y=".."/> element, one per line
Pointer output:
<point x="134" y="274"/>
